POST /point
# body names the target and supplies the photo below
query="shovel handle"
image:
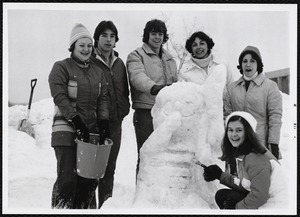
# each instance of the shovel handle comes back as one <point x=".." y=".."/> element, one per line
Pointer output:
<point x="33" y="83"/>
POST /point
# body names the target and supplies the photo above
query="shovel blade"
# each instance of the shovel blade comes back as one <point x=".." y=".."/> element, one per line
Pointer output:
<point x="25" y="126"/>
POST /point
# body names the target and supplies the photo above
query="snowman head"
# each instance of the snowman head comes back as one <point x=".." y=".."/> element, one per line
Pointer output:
<point x="184" y="97"/>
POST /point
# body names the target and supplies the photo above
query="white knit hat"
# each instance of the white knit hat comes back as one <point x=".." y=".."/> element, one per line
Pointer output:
<point x="247" y="116"/>
<point x="79" y="31"/>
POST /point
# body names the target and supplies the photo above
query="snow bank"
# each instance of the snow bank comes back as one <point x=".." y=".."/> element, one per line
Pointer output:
<point x="31" y="163"/>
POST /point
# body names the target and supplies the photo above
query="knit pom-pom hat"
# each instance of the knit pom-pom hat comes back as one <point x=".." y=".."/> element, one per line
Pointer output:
<point x="79" y="31"/>
<point x="247" y="116"/>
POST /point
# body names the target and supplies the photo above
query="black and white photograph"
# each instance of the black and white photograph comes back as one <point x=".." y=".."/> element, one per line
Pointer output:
<point x="140" y="108"/>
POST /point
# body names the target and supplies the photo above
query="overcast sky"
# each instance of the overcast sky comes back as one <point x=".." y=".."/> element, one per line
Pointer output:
<point x="37" y="35"/>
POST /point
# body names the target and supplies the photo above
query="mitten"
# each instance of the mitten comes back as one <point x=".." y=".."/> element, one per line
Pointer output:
<point x="103" y="130"/>
<point x="156" y="88"/>
<point x="212" y="172"/>
<point x="274" y="149"/>
<point x="81" y="130"/>
<point x="229" y="203"/>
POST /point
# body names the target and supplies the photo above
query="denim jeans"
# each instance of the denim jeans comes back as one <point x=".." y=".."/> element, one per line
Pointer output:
<point x="105" y="185"/>
<point x="70" y="191"/>
<point x="225" y="194"/>
<point x="142" y="121"/>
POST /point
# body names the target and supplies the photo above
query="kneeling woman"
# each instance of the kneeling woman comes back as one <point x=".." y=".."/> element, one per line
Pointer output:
<point x="258" y="177"/>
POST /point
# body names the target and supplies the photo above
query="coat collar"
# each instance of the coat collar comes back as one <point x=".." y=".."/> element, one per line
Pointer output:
<point x="189" y="64"/>
<point x="114" y="56"/>
<point x="258" y="80"/>
<point x="148" y="50"/>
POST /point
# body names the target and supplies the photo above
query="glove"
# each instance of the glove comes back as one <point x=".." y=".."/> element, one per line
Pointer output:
<point x="103" y="130"/>
<point x="156" y="88"/>
<point x="274" y="149"/>
<point x="81" y="130"/>
<point x="212" y="172"/>
<point x="229" y="203"/>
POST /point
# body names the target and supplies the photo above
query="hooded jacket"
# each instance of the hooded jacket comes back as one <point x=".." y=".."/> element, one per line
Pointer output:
<point x="145" y="69"/>
<point x="263" y="100"/>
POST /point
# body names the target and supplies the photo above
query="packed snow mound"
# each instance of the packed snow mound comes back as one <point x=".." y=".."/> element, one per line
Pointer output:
<point x="183" y="115"/>
<point x="30" y="166"/>
<point x="22" y="147"/>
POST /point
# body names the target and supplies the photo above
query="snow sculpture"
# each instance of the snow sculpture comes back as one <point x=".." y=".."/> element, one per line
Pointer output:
<point x="188" y="127"/>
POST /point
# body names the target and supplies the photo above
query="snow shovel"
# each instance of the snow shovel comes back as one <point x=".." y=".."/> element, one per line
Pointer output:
<point x="25" y="125"/>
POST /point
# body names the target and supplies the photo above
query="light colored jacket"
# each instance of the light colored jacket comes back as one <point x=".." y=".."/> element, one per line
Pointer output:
<point x="259" y="175"/>
<point x="190" y="71"/>
<point x="145" y="69"/>
<point x="263" y="100"/>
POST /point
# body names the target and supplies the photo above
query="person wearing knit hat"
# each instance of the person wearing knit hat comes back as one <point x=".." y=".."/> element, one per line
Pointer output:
<point x="81" y="102"/>
<point x="247" y="116"/>
<point x="259" y="96"/>
<point x="250" y="187"/>
<point x="79" y="31"/>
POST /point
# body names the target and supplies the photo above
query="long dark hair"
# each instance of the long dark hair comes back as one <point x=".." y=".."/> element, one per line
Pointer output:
<point x="250" y="144"/>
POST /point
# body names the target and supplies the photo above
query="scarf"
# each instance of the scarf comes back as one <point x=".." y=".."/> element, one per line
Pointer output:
<point x="203" y="63"/>
<point x="250" y="78"/>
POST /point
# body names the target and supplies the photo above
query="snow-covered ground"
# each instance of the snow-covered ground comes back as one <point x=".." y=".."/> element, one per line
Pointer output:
<point x="29" y="165"/>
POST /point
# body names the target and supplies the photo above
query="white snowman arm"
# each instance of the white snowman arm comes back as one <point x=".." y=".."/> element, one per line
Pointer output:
<point x="160" y="137"/>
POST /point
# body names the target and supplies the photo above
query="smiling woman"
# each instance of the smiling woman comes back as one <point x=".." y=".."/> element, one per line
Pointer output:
<point x="83" y="49"/>
<point x="236" y="133"/>
<point x="257" y="181"/>
<point x="80" y="96"/>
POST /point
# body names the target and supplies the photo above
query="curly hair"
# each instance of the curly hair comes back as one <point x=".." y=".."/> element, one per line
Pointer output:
<point x="202" y="36"/>
<point x="255" y="56"/>
<point x="155" y="25"/>
<point x="250" y="144"/>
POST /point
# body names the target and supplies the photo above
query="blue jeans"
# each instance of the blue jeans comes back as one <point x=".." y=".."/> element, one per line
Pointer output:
<point x="142" y="121"/>
<point x="70" y="191"/>
<point x="105" y="185"/>
<point x="224" y="194"/>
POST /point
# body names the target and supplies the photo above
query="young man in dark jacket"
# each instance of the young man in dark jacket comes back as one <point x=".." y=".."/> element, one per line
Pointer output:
<point x="106" y="36"/>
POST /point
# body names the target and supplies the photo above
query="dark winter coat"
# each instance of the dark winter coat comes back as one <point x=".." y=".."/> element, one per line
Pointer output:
<point x="117" y="82"/>
<point x="77" y="90"/>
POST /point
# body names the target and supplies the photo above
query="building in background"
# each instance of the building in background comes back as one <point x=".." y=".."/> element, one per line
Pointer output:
<point x="282" y="78"/>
